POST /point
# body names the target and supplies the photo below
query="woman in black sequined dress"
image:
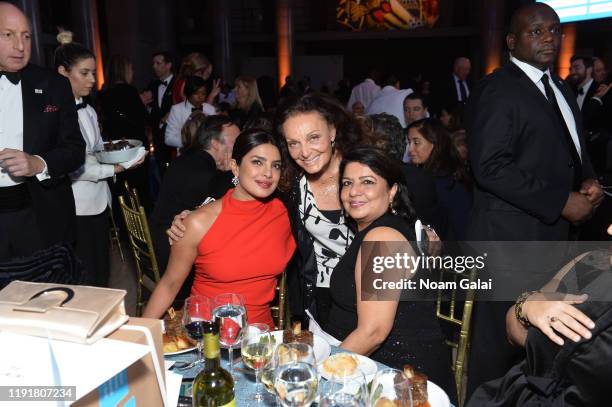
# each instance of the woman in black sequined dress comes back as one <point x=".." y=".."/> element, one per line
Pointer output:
<point x="392" y="332"/>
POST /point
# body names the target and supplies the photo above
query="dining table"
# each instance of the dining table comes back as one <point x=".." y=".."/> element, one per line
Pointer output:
<point x="244" y="388"/>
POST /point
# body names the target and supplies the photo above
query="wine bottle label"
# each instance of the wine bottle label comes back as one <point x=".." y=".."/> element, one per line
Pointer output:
<point x="230" y="404"/>
<point x="211" y="346"/>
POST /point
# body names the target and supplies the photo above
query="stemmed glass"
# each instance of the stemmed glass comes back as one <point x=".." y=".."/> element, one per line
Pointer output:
<point x="232" y="316"/>
<point x="296" y="384"/>
<point x="197" y="314"/>
<point x="392" y="385"/>
<point x="343" y="392"/>
<point x="256" y="352"/>
<point x="286" y="353"/>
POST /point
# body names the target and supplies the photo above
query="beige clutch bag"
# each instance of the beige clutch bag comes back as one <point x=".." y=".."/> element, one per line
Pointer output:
<point x="66" y="312"/>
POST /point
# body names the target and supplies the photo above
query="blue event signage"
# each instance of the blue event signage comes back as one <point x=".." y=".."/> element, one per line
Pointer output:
<point x="579" y="10"/>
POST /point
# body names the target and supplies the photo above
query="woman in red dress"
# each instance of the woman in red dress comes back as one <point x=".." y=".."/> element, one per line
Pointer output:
<point x="240" y="244"/>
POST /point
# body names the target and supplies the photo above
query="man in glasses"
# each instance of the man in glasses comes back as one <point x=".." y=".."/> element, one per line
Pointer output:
<point x="534" y="180"/>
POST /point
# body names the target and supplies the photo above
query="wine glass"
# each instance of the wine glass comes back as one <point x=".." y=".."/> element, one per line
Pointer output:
<point x="296" y="384"/>
<point x="286" y="353"/>
<point x="343" y="392"/>
<point x="344" y="388"/>
<point x="232" y="316"/>
<point x="197" y="315"/>
<point x="256" y="352"/>
<point x="391" y="385"/>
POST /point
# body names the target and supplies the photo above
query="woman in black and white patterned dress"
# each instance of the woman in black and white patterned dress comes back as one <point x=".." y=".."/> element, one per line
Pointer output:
<point x="315" y="131"/>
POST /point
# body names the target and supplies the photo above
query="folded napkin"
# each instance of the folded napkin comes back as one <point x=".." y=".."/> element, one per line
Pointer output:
<point x="128" y="164"/>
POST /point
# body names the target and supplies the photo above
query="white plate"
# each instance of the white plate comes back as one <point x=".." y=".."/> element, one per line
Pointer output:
<point x="180" y="351"/>
<point x="320" y="345"/>
<point x="436" y="396"/>
<point x="366" y="365"/>
<point x="119" y="156"/>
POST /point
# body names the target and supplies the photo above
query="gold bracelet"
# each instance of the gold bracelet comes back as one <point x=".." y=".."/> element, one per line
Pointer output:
<point x="518" y="308"/>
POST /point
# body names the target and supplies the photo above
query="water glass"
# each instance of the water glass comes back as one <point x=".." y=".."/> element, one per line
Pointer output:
<point x="231" y="314"/>
<point x="296" y="384"/>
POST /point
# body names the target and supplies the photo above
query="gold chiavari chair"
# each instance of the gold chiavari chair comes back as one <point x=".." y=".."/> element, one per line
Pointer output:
<point x="132" y="195"/>
<point x="114" y="234"/>
<point x="279" y="309"/>
<point x="142" y="247"/>
<point x="447" y="310"/>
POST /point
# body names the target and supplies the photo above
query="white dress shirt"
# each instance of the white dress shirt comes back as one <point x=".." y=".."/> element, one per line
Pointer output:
<point x="89" y="187"/>
<point x="390" y="100"/>
<point x="365" y="92"/>
<point x="536" y="75"/>
<point x="585" y="88"/>
<point x="458" y="81"/>
<point x="177" y="118"/>
<point x="11" y="128"/>
<point x="161" y="89"/>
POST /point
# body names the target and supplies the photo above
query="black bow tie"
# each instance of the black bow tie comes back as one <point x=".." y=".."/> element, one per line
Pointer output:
<point x="14" y="77"/>
<point x="581" y="91"/>
<point x="165" y="83"/>
<point x="196" y="109"/>
<point x="81" y="105"/>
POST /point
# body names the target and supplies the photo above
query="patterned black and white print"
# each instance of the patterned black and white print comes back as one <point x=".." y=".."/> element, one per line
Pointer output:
<point x="330" y="239"/>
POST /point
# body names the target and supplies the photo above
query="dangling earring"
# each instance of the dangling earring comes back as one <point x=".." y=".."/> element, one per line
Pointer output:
<point x="393" y="211"/>
<point x="235" y="181"/>
<point x="333" y="143"/>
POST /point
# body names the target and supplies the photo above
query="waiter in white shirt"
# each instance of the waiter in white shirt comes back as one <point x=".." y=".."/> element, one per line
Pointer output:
<point x="195" y="97"/>
<point x="40" y="144"/>
<point x="92" y="195"/>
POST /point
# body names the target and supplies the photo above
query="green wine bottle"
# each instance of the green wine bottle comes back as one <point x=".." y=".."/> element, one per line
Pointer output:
<point x="213" y="386"/>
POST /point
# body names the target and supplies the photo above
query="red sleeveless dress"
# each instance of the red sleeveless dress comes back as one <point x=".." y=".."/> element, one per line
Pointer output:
<point x="244" y="252"/>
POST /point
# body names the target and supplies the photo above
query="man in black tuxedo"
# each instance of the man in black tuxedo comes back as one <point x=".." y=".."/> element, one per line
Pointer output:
<point x="595" y="109"/>
<point x="161" y="95"/>
<point x="40" y="144"/>
<point x="533" y="176"/>
<point x="191" y="178"/>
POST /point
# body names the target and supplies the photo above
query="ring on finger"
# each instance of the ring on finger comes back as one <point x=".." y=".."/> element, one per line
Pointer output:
<point x="552" y="319"/>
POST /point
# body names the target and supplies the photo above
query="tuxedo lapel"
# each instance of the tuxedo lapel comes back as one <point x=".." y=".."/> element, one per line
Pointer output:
<point x="32" y="94"/>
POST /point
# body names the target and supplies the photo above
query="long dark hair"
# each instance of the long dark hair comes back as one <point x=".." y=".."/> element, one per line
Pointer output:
<point x="248" y="140"/>
<point x="444" y="158"/>
<point x="390" y="170"/>
<point x="349" y="132"/>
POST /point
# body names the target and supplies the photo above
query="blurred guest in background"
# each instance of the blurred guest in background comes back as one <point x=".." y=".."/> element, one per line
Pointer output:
<point x="124" y="116"/>
<point x="248" y="103"/>
<point x="415" y="108"/>
<point x="162" y="101"/>
<point x="208" y="143"/>
<point x="454" y="89"/>
<point x="196" y="93"/>
<point x="431" y="147"/>
<point x="599" y="70"/>
<point x="366" y="91"/>
<point x="390" y="100"/>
